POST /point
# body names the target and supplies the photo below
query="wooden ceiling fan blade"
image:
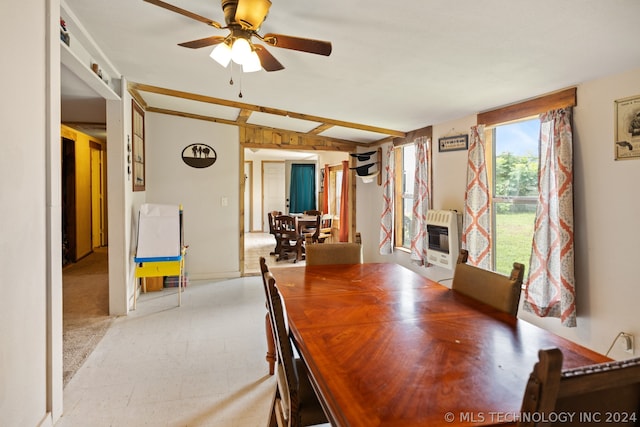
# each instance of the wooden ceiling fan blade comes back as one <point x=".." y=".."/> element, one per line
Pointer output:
<point x="251" y="13"/>
<point x="268" y="61"/>
<point x="207" y="41"/>
<point x="318" y="47"/>
<point x="184" y="12"/>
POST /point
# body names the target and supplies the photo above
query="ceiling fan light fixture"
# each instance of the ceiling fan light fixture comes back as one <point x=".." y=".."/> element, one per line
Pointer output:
<point x="240" y="50"/>
<point x="221" y="54"/>
<point x="252" y="63"/>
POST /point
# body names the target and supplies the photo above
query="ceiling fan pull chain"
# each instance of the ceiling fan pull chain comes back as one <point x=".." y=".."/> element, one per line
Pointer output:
<point x="240" y="93"/>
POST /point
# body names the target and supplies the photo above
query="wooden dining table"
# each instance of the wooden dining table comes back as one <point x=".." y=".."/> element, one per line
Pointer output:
<point x="385" y="346"/>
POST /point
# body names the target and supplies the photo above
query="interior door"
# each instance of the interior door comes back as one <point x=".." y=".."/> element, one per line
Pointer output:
<point x="97" y="197"/>
<point x="273" y="189"/>
<point x="287" y="172"/>
<point x="302" y="188"/>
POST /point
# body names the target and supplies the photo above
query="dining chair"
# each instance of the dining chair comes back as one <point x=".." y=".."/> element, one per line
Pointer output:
<point x="296" y="403"/>
<point x="290" y="240"/>
<point x="273" y="229"/>
<point x="271" y="346"/>
<point x="600" y="394"/>
<point x="334" y="253"/>
<point x="325" y="228"/>
<point x="497" y="290"/>
<point x="311" y="231"/>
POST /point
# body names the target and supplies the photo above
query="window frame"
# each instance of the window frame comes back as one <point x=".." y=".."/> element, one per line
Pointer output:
<point x="398" y="144"/>
<point x="400" y="197"/>
<point x="335" y="191"/>
<point x="490" y="150"/>
<point x="510" y="114"/>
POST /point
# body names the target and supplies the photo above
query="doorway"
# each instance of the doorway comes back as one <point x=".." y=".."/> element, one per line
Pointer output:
<point x="270" y="187"/>
<point x="85" y="273"/>
<point x="302" y="187"/>
<point x="68" y="203"/>
<point x="248" y="196"/>
<point x="273" y="190"/>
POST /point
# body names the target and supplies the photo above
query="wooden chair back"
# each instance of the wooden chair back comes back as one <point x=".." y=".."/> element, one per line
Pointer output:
<point x="311" y="232"/>
<point x="499" y="291"/>
<point x="271" y="349"/>
<point x="271" y="217"/>
<point x="325" y="228"/>
<point x="334" y="253"/>
<point x="296" y="404"/>
<point x="264" y="268"/>
<point x="289" y="240"/>
<point x="600" y="394"/>
<point x="273" y="229"/>
<point x="313" y="213"/>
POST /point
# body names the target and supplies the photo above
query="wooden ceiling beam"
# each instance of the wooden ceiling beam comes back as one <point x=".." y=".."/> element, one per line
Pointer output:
<point x="141" y="87"/>
<point x="243" y="115"/>
<point x="135" y="94"/>
<point x="319" y="129"/>
<point x="310" y="142"/>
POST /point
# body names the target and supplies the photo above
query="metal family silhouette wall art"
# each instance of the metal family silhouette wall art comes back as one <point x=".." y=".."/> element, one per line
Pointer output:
<point x="199" y="155"/>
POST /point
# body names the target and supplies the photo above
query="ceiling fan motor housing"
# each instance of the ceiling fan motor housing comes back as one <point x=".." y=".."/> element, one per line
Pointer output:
<point x="249" y="14"/>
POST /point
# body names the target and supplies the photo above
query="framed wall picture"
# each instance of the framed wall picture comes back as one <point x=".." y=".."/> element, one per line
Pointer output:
<point x="137" y="125"/>
<point x="453" y="143"/>
<point x="627" y="128"/>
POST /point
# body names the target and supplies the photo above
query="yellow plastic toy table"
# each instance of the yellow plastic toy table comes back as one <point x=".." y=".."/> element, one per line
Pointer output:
<point x="158" y="267"/>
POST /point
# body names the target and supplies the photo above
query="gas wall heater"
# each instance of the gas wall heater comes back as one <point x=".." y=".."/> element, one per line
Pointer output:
<point x="444" y="230"/>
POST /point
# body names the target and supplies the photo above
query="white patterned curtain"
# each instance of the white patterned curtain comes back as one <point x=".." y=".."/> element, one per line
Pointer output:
<point x="476" y="235"/>
<point x="550" y="286"/>
<point x="386" y="219"/>
<point x="421" y="193"/>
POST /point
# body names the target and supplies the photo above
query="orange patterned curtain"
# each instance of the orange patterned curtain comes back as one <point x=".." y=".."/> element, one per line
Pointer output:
<point x="550" y="286"/>
<point x="386" y="219"/>
<point x="476" y="234"/>
<point x="421" y="191"/>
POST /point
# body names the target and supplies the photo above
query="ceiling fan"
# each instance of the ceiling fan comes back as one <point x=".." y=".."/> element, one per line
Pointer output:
<point x="243" y="19"/>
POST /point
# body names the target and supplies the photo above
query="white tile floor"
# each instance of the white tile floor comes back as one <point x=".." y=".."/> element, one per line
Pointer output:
<point x="201" y="364"/>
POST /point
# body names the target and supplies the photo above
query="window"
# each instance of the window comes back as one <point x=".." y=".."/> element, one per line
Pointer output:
<point x="335" y="191"/>
<point x="513" y="177"/>
<point x="404" y="169"/>
<point x="512" y="152"/>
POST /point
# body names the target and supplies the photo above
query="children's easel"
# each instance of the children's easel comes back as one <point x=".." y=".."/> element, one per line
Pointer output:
<point x="160" y="249"/>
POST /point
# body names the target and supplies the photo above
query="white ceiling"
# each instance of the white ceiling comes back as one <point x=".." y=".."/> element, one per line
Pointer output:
<point x="397" y="65"/>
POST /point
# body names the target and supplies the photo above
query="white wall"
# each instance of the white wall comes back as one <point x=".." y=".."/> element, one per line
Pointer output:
<point x="211" y="230"/>
<point x="30" y="272"/>
<point x="123" y="206"/>
<point x="607" y="207"/>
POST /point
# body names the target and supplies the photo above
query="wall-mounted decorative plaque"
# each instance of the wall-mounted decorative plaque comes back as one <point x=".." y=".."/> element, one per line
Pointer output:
<point x="199" y="155"/>
<point x="453" y="143"/>
<point x="627" y="132"/>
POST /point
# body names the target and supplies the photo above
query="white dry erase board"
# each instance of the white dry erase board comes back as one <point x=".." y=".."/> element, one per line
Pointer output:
<point x="158" y="231"/>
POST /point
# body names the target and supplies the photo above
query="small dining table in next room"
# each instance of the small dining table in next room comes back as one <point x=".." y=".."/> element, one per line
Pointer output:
<point x="385" y="346"/>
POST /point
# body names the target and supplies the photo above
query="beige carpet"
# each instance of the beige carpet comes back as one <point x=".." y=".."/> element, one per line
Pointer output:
<point x="85" y="314"/>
